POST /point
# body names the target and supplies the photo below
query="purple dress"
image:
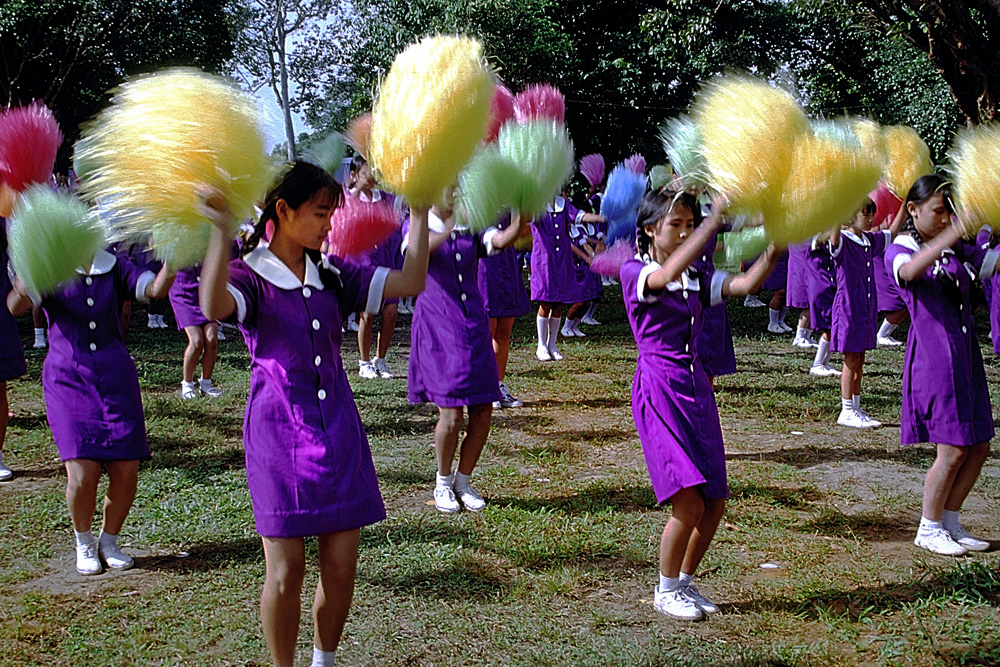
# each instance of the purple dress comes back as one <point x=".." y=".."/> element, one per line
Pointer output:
<point x="945" y="396"/>
<point x="821" y="283"/>
<point x="587" y="282"/>
<point x="672" y="401"/>
<point x="715" y="340"/>
<point x="309" y="466"/>
<point x="889" y="297"/>
<point x="92" y="399"/>
<point x="452" y="362"/>
<point x="500" y="282"/>
<point x="991" y="286"/>
<point x="778" y="279"/>
<point x="388" y="252"/>
<point x="11" y="354"/>
<point x="855" y="306"/>
<point x="553" y="278"/>
<point x="798" y="288"/>
<point x="184" y="298"/>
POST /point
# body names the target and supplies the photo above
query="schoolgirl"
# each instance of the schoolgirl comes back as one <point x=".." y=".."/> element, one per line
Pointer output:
<point x="11" y="354"/>
<point x="586" y="242"/>
<point x="777" y="309"/>
<point x="202" y="334"/>
<point x="890" y="301"/>
<point x="821" y="288"/>
<point x="309" y="466"/>
<point x="92" y="400"/>
<point x="673" y="404"/>
<point x="797" y="295"/>
<point x="452" y="363"/>
<point x="945" y="396"/>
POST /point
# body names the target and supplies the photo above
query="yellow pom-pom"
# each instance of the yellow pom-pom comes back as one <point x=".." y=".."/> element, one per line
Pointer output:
<point x="831" y="174"/>
<point x="748" y="129"/>
<point x="908" y="158"/>
<point x="430" y="115"/>
<point x="975" y="160"/>
<point x="164" y="136"/>
<point x="872" y="139"/>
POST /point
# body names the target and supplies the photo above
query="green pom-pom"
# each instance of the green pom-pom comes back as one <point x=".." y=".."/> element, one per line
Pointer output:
<point x="660" y="176"/>
<point x="543" y="154"/>
<point x="745" y="244"/>
<point x="180" y="247"/>
<point x="683" y="144"/>
<point x="51" y="234"/>
<point x="328" y="152"/>
<point x="484" y="185"/>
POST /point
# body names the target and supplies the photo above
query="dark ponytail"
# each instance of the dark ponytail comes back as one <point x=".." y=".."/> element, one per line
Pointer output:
<point x="357" y="162"/>
<point x="297" y="183"/>
<point x="655" y="206"/>
<point x="923" y="189"/>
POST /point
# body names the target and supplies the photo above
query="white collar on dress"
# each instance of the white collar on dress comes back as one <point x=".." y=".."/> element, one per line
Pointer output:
<point x="688" y="281"/>
<point x="103" y="262"/>
<point x="376" y="196"/>
<point x="557" y="206"/>
<point x="860" y="240"/>
<point x="907" y="242"/>
<point x="267" y="265"/>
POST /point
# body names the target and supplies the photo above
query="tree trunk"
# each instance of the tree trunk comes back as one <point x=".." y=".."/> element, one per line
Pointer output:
<point x="283" y="98"/>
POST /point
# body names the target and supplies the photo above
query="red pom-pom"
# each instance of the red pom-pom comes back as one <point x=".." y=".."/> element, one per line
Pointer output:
<point x="357" y="133"/>
<point x="886" y="204"/>
<point x="636" y="164"/>
<point x="541" y="101"/>
<point x="501" y="110"/>
<point x="611" y="261"/>
<point x="29" y="139"/>
<point x="359" y="226"/>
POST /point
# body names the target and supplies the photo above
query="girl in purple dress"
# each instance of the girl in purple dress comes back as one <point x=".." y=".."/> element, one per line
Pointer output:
<point x="777" y="282"/>
<point x="585" y="244"/>
<point x="675" y="413"/>
<point x="855" y="307"/>
<point x="362" y="186"/>
<point x="553" y="278"/>
<point x="202" y="334"/>
<point x="11" y="355"/>
<point x="92" y="400"/>
<point x="945" y="396"/>
<point x="821" y="287"/>
<point x="452" y="363"/>
<point x="890" y="301"/>
<point x="309" y="466"/>
<point x="797" y="295"/>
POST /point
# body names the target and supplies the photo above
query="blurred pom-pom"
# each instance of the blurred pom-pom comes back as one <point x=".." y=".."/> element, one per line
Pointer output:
<point x="29" y="139"/>
<point x="430" y="115"/>
<point x="975" y="160"/>
<point x="592" y="167"/>
<point x="748" y="129"/>
<point x="636" y="164"/>
<point x="540" y="102"/>
<point x="610" y="261"/>
<point x="683" y="145"/>
<point x="543" y="155"/>
<point x="907" y="158"/>
<point x="869" y="133"/>
<point x="164" y="138"/>
<point x="483" y="188"/>
<point x="886" y="204"/>
<point x="501" y="111"/>
<point x="359" y="226"/>
<point x="621" y="201"/>
<point x="358" y="133"/>
<point x="744" y="245"/>
<point x="831" y="175"/>
<point x="660" y="176"/>
<point x="51" y="233"/>
<point x="328" y="152"/>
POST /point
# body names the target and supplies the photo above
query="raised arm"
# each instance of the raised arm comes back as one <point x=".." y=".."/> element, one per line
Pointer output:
<point x="897" y="222"/>
<point x="929" y="253"/>
<point x="513" y="232"/>
<point x="215" y="300"/>
<point x="18" y="301"/>
<point x="158" y="288"/>
<point x="410" y="280"/>
<point x="742" y="284"/>
<point x="688" y="252"/>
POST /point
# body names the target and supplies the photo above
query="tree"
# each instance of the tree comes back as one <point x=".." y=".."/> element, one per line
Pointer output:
<point x="70" y="53"/>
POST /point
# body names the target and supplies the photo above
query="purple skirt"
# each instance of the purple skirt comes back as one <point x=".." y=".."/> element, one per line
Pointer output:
<point x="715" y="342"/>
<point x="886" y="289"/>
<point x="501" y="285"/>
<point x="184" y="299"/>
<point x="778" y="280"/>
<point x="798" y="285"/>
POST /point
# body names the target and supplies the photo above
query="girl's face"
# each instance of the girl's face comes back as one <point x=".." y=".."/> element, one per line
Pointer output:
<point x="364" y="178"/>
<point x="308" y="224"/>
<point x="863" y="220"/>
<point x="668" y="234"/>
<point x="930" y="218"/>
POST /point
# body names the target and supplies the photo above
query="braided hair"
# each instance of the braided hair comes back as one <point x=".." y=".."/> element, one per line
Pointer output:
<point x="923" y="189"/>
<point x="657" y="205"/>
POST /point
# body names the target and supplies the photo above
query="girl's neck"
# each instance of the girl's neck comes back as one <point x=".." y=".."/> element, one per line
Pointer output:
<point x="658" y="256"/>
<point x="291" y="253"/>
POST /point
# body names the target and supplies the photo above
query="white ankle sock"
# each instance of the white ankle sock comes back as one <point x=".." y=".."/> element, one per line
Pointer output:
<point x="856" y="399"/>
<point x="886" y="329"/>
<point x="669" y="583"/>
<point x="542" y="325"/>
<point x="822" y="352"/>
<point x="825" y="341"/>
<point x="926" y="524"/>
<point x="323" y="658"/>
<point x="949" y="520"/>
<point x="846" y="404"/>
<point x="108" y="538"/>
<point x="446" y="480"/>
<point x="553" y="332"/>
<point x="86" y="537"/>
<point x="773" y="315"/>
<point x="39" y="333"/>
<point x="801" y="333"/>
<point x="462" y="481"/>
<point x="782" y="313"/>
<point x="685" y="579"/>
<point x="205" y="384"/>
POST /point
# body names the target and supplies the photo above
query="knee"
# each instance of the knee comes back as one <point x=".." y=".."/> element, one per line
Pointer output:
<point x="953" y="457"/>
<point x="689" y="511"/>
<point x="285" y="577"/>
<point x="451" y="419"/>
<point x="196" y="342"/>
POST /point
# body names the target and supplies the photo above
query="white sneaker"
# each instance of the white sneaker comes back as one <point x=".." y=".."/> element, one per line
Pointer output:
<point x="872" y="422"/>
<point x="677" y="604"/>
<point x="968" y="541"/>
<point x="507" y="399"/>
<point x="542" y="353"/>
<point x="823" y="371"/>
<point x="555" y="354"/>
<point x="152" y="324"/>
<point x="937" y="540"/>
<point x="189" y="390"/>
<point x="87" y="561"/>
<point x="205" y="386"/>
<point x="786" y="328"/>
<point x="889" y="341"/>
<point x="591" y="321"/>
<point x="5" y="472"/>
<point x="220" y="335"/>
<point x="160" y="323"/>
<point x="854" y="419"/>
<point x="444" y="499"/>
<point x="700" y="600"/>
<point x="367" y="370"/>
<point x="577" y="332"/>
<point x="566" y="333"/>
<point x="805" y="343"/>
<point x="113" y="556"/>
<point x="776" y="329"/>
<point x="753" y="301"/>
<point x="352" y="325"/>
<point x="471" y="499"/>
<point x="382" y="369"/>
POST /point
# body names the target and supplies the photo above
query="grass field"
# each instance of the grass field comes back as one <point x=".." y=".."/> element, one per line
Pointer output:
<point x="560" y="568"/>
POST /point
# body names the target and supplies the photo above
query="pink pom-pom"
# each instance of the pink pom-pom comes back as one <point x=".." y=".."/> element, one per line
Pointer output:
<point x="29" y="139"/>
<point x="539" y="102"/>
<point x="501" y="110"/>
<point x="610" y="262"/>
<point x="592" y="168"/>
<point x="359" y="226"/>
<point x="886" y="204"/>
<point x="636" y="164"/>
<point x="358" y="132"/>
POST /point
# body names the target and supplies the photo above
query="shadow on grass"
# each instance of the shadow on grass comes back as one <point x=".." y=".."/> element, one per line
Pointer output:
<point x="597" y="498"/>
<point x="872" y="524"/>
<point x="809" y="456"/>
<point x="206" y="556"/>
<point x="776" y="496"/>
<point x="464" y="579"/>
<point x="611" y="403"/>
<point x="183" y="454"/>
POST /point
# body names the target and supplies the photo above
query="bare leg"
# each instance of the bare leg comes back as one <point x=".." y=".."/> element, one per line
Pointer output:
<point x="211" y="352"/>
<point x="897" y="317"/>
<point x="280" y="601"/>
<point x="777" y="301"/>
<point x="500" y="328"/>
<point x="967" y="475"/>
<point x="688" y="511"/>
<point x="476" y="433"/>
<point x="575" y="310"/>
<point x="851" y="379"/>
<point x="804" y="319"/>
<point x="701" y="536"/>
<point x="365" y="325"/>
<point x="124" y="477"/>
<point x="82" y="476"/>
<point x="192" y="353"/>
<point x="941" y="479"/>
<point x="338" y="564"/>
<point x="446" y="433"/>
<point x="389" y="313"/>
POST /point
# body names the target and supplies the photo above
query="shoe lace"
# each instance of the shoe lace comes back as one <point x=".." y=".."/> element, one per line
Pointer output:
<point x="88" y="550"/>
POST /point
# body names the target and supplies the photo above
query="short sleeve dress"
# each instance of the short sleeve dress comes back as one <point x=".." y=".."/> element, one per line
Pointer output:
<point x="855" y="305"/>
<point x="553" y="277"/>
<point x="500" y="282"/>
